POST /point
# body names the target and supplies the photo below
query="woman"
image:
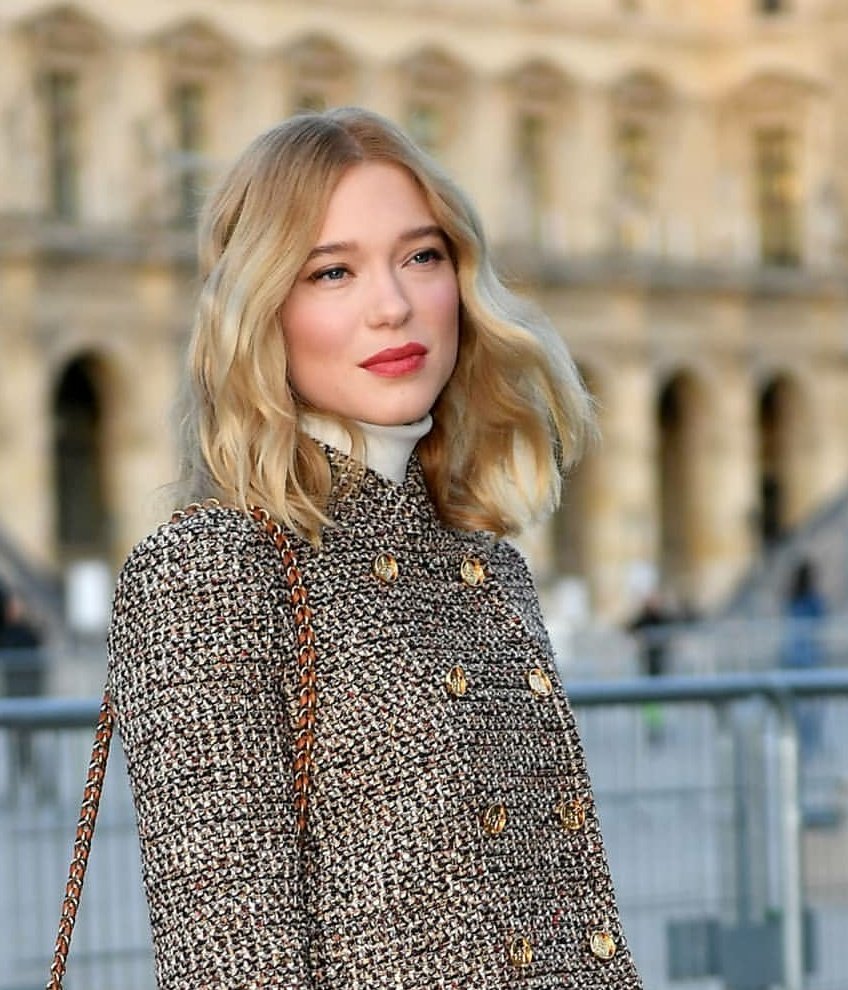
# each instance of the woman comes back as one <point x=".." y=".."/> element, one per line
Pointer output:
<point x="358" y="371"/>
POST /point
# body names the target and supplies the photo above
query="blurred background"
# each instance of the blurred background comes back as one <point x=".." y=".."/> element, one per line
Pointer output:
<point x="669" y="179"/>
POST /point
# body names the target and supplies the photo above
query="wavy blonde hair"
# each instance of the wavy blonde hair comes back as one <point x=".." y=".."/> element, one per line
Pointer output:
<point x="513" y="416"/>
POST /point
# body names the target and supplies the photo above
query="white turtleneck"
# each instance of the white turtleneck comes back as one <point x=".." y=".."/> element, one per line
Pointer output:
<point x="387" y="448"/>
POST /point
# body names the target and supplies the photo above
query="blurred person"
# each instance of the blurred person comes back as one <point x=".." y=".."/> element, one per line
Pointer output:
<point x="358" y="370"/>
<point x="24" y="670"/>
<point x="650" y="627"/>
<point x="804" y="610"/>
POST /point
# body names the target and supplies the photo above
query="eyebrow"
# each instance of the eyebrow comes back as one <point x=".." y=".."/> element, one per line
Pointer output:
<point x="340" y="247"/>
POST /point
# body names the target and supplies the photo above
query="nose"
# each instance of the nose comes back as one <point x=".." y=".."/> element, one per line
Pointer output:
<point x="388" y="304"/>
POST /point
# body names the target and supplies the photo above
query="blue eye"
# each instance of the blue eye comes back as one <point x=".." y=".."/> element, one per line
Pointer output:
<point x="334" y="274"/>
<point x="426" y="255"/>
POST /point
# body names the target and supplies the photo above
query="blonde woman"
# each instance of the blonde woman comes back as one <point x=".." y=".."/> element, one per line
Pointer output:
<point x="358" y="372"/>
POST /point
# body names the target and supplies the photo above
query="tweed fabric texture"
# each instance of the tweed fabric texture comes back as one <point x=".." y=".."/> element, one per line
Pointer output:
<point x="403" y="882"/>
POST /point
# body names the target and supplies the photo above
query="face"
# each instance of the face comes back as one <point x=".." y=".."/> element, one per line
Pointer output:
<point x="372" y="323"/>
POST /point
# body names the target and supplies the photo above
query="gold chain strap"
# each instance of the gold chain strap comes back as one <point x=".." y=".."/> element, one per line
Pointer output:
<point x="304" y="742"/>
<point x="82" y="842"/>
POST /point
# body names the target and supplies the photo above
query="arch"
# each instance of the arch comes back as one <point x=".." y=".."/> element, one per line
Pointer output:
<point x="433" y="84"/>
<point x="573" y="529"/>
<point x="65" y="29"/>
<point x="771" y="87"/>
<point x="784" y="419"/>
<point x="195" y="44"/>
<point x="320" y="72"/>
<point x="683" y="428"/>
<point x="642" y="90"/>
<point x="434" y="69"/>
<point x="538" y="81"/>
<point x="319" y="54"/>
<point x="79" y="468"/>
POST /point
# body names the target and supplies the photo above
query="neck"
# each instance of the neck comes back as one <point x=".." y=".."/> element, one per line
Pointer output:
<point x="387" y="448"/>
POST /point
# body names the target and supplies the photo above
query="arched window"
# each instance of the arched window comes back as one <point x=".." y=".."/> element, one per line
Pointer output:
<point x="320" y="74"/>
<point x="635" y="156"/>
<point x="778" y="187"/>
<point x="81" y="517"/>
<point x="761" y="123"/>
<point x="61" y="120"/>
<point x="65" y="48"/>
<point x="189" y="107"/>
<point x="541" y="99"/>
<point x="196" y="61"/>
<point x="433" y="87"/>
<point x="784" y="485"/>
<point x="641" y="104"/>
<point x="683" y="416"/>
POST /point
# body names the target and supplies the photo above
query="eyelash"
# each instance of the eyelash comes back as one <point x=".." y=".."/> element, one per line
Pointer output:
<point x="323" y="274"/>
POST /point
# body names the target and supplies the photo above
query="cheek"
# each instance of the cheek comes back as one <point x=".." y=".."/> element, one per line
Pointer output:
<point x="309" y="334"/>
<point x="445" y="307"/>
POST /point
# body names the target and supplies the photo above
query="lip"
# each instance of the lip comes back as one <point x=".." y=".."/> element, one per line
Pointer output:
<point x="396" y="360"/>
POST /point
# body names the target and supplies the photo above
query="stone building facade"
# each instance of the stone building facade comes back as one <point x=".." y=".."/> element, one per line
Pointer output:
<point x="668" y="177"/>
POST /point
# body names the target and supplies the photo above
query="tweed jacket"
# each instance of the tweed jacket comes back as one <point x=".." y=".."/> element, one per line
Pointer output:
<point x="453" y="841"/>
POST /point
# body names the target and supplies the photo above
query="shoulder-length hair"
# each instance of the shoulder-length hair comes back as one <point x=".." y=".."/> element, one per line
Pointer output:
<point x="511" y="419"/>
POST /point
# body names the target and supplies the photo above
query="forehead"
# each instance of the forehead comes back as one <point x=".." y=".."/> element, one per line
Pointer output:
<point x="373" y="196"/>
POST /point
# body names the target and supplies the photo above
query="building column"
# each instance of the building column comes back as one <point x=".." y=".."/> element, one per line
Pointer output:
<point x="26" y="488"/>
<point x="623" y="526"/>
<point x="592" y="176"/>
<point x="730" y="490"/>
<point x="489" y="116"/>
<point x="690" y="168"/>
<point x="141" y="454"/>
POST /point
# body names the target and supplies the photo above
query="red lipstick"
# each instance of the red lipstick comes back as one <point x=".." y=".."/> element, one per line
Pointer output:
<point x="394" y="361"/>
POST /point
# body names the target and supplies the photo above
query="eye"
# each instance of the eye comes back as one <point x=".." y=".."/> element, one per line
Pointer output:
<point x="334" y="274"/>
<point x="427" y="255"/>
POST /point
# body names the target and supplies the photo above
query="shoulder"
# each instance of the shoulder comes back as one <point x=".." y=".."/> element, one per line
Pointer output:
<point x="206" y="581"/>
<point x="214" y="550"/>
<point x="510" y="565"/>
<point x="210" y="539"/>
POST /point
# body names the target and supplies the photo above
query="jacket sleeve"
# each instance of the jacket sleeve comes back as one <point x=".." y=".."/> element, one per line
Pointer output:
<point x="201" y="674"/>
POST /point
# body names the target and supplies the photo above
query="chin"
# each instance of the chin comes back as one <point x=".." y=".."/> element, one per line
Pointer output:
<point x="400" y="415"/>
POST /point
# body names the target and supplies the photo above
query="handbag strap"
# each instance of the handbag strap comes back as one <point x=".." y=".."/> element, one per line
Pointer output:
<point x="303" y="761"/>
<point x="82" y="842"/>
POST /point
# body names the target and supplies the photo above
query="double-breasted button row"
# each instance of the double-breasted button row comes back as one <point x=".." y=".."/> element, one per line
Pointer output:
<point x="601" y="945"/>
<point x="456" y="682"/>
<point x="385" y="568"/>
<point x="571" y="815"/>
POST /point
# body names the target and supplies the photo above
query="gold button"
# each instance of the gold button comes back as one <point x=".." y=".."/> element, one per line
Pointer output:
<point x="472" y="572"/>
<point x="494" y="819"/>
<point x="572" y="815"/>
<point x="540" y="683"/>
<point x="520" y="952"/>
<point x="456" y="682"/>
<point x="602" y="945"/>
<point x="385" y="568"/>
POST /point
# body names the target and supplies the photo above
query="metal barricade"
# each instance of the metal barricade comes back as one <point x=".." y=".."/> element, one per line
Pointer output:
<point x="728" y="842"/>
